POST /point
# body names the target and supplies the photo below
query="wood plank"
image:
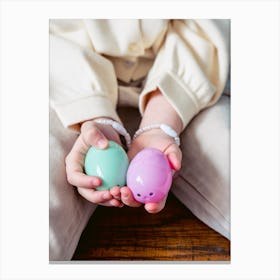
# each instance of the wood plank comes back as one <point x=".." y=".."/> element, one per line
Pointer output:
<point x="133" y="234"/>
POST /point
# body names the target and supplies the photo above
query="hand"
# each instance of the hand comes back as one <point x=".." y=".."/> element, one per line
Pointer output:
<point x="153" y="139"/>
<point x="97" y="135"/>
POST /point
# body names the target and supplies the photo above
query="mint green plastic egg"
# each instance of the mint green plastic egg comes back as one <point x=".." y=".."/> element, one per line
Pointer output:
<point x="109" y="164"/>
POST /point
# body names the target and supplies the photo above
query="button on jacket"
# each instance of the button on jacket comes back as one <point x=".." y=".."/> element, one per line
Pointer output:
<point x="188" y="60"/>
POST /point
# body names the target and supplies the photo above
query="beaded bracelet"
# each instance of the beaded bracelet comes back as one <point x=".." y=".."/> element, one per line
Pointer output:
<point x="118" y="127"/>
<point x="164" y="127"/>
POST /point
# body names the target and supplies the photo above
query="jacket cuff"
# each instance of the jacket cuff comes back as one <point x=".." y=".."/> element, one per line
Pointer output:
<point x="178" y="94"/>
<point x="73" y="113"/>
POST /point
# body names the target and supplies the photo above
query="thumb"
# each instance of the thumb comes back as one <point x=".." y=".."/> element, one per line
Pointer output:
<point x="94" y="137"/>
<point x="175" y="158"/>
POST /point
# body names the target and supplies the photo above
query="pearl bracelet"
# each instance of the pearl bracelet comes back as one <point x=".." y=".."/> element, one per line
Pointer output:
<point x="118" y="127"/>
<point x="164" y="127"/>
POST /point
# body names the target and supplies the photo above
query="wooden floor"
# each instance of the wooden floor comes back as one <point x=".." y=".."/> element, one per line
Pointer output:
<point x="127" y="233"/>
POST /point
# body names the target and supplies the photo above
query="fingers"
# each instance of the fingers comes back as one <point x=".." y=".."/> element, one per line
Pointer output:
<point x="99" y="197"/>
<point x="92" y="136"/>
<point x="116" y="193"/>
<point x="80" y="179"/>
<point x="74" y="163"/>
<point x="127" y="198"/>
<point x="174" y="161"/>
<point x="174" y="156"/>
<point x="155" y="207"/>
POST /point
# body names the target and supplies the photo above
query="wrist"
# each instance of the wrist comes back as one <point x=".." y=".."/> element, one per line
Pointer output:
<point x="106" y="130"/>
<point x="158" y="110"/>
<point x="157" y="129"/>
<point x="116" y="127"/>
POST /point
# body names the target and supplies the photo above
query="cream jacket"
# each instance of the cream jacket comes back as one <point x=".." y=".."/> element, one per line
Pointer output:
<point x="187" y="60"/>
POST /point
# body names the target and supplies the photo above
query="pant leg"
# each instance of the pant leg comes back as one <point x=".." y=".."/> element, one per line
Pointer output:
<point x="68" y="211"/>
<point x="203" y="183"/>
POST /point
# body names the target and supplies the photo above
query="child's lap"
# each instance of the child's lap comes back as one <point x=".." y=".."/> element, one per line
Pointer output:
<point x="205" y="165"/>
<point x="68" y="211"/>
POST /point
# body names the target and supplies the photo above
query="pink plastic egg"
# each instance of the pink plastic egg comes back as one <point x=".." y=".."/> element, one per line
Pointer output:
<point x="149" y="176"/>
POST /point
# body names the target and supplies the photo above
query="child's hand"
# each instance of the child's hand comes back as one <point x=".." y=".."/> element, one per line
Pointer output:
<point x="153" y="139"/>
<point x="92" y="134"/>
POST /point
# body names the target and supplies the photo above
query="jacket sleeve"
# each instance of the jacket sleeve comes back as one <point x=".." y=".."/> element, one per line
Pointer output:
<point x="191" y="67"/>
<point x="83" y="84"/>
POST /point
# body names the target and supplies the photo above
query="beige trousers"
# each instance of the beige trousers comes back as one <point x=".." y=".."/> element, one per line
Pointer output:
<point x="203" y="183"/>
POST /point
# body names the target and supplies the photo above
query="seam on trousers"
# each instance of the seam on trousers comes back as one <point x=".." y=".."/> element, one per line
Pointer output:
<point x="214" y="206"/>
<point x="84" y="222"/>
<point x="70" y="243"/>
<point x="222" y="229"/>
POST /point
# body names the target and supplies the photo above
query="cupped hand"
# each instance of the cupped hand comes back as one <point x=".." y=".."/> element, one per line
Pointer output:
<point x="97" y="135"/>
<point x="153" y="139"/>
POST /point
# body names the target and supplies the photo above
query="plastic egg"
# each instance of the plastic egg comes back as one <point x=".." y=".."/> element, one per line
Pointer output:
<point x="109" y="164"/>
<point x="149" y="176"/>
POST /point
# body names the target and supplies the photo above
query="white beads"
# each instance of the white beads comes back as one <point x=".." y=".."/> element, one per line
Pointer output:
<point x="118" y="127"/>
<point x="121" y="130"/>
<point x="164" y="127"/>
